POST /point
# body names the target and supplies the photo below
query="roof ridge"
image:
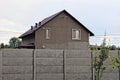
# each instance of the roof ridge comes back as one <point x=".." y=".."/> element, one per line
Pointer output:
<point x="47" y="19"/>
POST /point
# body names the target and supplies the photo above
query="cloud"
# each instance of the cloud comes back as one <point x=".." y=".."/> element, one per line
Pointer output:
<point x="104" y="4"/>
<point x="10" y="25"/>
<point x="9" y="30"/>
<point x="7" y="22"/>
<point x="19" y="15"/>
<point x="113" y="39"/>
<point x="7" y="34"/>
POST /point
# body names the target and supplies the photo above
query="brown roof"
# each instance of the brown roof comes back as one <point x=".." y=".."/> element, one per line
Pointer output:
<point x="46" y="20"/>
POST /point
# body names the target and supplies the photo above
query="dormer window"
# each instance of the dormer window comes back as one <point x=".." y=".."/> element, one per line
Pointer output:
<point x="76" y="34"/>
<point x="47" y="33"/>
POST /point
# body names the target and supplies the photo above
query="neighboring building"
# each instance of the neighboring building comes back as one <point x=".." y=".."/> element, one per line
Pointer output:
<point x="59" y="31"/>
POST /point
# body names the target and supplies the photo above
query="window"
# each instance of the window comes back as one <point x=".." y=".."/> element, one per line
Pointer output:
<point x="76" y="34"/>
<point x="47" y="33"/>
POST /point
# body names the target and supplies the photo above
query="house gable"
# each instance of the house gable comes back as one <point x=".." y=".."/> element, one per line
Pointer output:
<point x="48" y="19"/>
<point x="61" y="32"/>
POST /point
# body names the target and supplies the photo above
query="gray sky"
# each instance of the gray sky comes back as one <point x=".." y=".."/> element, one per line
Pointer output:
<point x="16" y="16"/>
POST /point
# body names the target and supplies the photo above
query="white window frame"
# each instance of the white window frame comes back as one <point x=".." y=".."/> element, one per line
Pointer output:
<point x="48" y="33"/>
<point x="75" y="35"/>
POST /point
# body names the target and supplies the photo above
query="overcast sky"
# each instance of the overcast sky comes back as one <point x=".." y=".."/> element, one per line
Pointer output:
<point x="16" y="16"/>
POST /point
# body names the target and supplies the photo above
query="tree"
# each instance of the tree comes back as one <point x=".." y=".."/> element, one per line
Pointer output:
<point x="14" y="42"/>
<point x="113" y="47"/>
<point x="2" y="45"/>
<point x="7" y="46"/>
<point x="99" y="59"/>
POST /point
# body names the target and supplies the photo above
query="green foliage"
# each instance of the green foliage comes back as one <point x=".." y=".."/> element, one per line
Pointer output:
<point x="2" y="45"/>
<point x="7" y="46"/>
<point x="14" y="42"/>
<point x="99" y="59"/>
<point x="111" y="47"/>
<point x="116" y="62"/>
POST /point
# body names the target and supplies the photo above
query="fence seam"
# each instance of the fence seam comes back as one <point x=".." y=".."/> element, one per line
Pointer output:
<point x="34" y="65"/>
<point x="64" y="65"/>
<point x="91" y="65"/>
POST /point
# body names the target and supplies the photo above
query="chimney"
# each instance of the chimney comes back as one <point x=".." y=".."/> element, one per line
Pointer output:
<point x="39" y="23"/>
<point x="31" y="27"/>
<point x="36" y="25"/>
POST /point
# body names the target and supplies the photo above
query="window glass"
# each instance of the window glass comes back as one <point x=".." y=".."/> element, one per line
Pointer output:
<point x="47" y="33"/>
<point x="76" y="34"/>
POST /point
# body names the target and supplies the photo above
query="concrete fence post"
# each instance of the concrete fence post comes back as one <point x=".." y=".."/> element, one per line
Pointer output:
<point x="0" y="65"/>
<point x="34" y="65"/>
<point x="92" y="65"/>
<point x="64" y="65"/>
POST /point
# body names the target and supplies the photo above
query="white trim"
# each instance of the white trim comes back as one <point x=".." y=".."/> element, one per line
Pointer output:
<point x="75" y="36"/>
<point x="47" y="33"/>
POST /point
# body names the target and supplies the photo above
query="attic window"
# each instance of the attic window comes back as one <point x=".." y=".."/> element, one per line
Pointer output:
<point x="47" y="33"/>
<point x="76" y="34"/>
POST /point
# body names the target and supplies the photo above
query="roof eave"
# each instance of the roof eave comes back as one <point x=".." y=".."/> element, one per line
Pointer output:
<point x="91" y="33"/>
<point x="22" y="36"/>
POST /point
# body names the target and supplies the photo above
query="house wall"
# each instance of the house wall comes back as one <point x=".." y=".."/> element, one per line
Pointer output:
<point x="28" y="40"/>
<point x="61" y="34"/>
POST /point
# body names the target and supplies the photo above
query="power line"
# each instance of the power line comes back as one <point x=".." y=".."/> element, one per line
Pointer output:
<point x="11" y="31"/>
<point x="107" y="36"/>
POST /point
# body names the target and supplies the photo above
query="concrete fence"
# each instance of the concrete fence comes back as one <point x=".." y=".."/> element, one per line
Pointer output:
<point x="44" y="64"/>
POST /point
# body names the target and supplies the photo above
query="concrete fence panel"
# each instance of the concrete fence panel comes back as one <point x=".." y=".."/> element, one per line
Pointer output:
<point x="110" y="73"/>
<point x="17" y="64"/>
<point x="0" y="65"/>
<point x="47" y="64"/>
<point x="78" y="64"/>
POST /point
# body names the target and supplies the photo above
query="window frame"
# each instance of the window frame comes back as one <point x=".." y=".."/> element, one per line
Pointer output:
<point x="75" y="37"/>
<point x="47" y="33"/>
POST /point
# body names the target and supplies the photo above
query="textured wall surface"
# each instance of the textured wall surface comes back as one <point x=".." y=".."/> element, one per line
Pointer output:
<point x="110" y="73"/>
<point x="61" y="34"/>
<point x="49" y="64"/>
<point x="0" y="65"/>
<point x="17" y="64"/>
<point x="78" y="65"/>
<point x="46" y="64"/>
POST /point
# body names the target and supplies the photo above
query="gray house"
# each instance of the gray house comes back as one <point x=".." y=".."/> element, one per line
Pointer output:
<point x="59" y="31"/>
